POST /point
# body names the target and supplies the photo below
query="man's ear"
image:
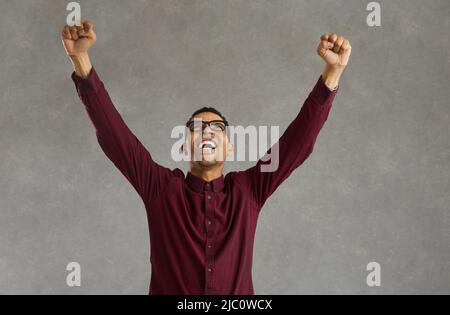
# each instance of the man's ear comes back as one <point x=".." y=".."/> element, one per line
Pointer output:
<point x="182" y="148"/>
<point x="230" y="149"/>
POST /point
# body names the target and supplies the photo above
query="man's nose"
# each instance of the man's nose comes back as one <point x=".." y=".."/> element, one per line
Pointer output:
<point x="207" y="130"/>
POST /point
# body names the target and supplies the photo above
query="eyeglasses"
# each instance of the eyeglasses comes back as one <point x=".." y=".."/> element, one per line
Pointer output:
<point x="214" y="125"/>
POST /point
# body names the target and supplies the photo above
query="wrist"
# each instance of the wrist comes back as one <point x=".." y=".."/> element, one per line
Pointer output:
<point x="331" y="76"/>
<point x="81" y="64"/>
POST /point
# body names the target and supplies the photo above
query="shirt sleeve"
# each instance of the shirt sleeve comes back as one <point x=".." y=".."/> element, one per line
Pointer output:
<point x="117" y="141"/>
<point x="293" y="148"/>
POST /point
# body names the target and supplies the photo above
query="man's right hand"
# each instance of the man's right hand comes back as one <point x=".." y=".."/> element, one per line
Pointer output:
<point x="77" y="40"/>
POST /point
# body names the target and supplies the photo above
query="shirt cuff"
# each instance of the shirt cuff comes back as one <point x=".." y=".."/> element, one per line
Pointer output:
<point x="322" y="93"/>
<point x="91" y="83"/>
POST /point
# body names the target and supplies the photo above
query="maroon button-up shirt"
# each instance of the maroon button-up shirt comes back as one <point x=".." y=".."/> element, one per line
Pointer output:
<point x="201" y="233"/>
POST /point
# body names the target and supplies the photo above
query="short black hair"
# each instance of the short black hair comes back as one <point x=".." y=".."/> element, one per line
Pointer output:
<point x="208" y="110"/>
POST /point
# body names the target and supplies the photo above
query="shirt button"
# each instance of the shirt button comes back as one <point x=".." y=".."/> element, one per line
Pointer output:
<point x="209" y="270"/>
<point x="209" y="222"/>
<point x="209" y="197"/>
<point x="209" y="246"/>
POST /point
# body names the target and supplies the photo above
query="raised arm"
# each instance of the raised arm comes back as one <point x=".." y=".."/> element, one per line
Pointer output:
<point x="116" y="140"/>
<point x="297" y="142"/>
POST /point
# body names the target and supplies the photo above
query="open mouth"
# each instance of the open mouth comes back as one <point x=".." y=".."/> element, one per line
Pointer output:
<point x="208" y="146"/>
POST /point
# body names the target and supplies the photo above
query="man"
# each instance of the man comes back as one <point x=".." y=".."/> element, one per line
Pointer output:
<point x="202" y="225"/>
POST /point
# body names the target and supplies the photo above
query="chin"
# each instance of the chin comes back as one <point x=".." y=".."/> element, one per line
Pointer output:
<point x="206" y="163"/>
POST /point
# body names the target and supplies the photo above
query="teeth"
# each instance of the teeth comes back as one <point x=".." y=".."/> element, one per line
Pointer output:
<point x="208" y="144"/>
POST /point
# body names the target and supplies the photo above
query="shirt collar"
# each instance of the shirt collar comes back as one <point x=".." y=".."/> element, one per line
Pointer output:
<point x="200" y="185"/>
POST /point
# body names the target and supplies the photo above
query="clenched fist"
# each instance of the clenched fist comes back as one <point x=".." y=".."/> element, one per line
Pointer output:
<point x="335" y="50"/>
<point x="78" y="39"/>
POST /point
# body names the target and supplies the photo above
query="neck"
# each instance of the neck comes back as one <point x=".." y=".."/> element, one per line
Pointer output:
<point x="208" y="174"/>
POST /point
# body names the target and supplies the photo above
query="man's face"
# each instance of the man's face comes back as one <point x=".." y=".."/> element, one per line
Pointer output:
<point x="208" y="143"/>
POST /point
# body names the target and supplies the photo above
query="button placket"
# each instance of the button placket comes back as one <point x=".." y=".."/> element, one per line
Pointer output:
<point x="209" y="253"/>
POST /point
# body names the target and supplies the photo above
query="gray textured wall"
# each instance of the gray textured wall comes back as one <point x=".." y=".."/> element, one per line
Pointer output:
<point x="375" y="189"/>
